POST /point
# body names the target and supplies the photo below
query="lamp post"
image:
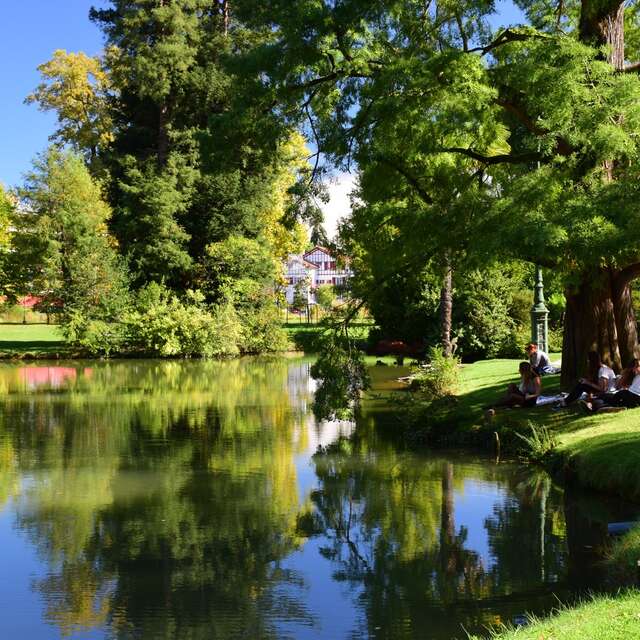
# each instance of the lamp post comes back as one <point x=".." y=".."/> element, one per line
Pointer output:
<point x="539" y="315"/>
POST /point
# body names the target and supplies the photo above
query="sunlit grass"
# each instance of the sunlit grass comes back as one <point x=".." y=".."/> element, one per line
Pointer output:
<point x="33" y="339"/>
<point x="602" y="618"/>
<point x="602" y="451"/>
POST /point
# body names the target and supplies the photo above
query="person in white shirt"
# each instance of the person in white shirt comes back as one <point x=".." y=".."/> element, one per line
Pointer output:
<point x="600" y="379"/>
<point x="629" y="394"/>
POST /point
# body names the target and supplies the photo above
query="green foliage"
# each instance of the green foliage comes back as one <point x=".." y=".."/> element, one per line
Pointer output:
<point x="152" y="200"/>
<point x="325" y="296"/>
<point x="161" y="324"/>
<point x="96" y="337"/>
<point x="487" y="308"/>
<point x="62" y="250"/>
<point x="262" y="330"/>
<point x="439" y="377"/>
<point x="540" y="443"/>
<point x="342" y="375"/>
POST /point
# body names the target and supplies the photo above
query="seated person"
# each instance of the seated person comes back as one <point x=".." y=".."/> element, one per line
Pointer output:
<point x="539" y="360"/>
<point x="526" y="393"/>
<point x="628" y="394"/>
<point x="600" y="379"/>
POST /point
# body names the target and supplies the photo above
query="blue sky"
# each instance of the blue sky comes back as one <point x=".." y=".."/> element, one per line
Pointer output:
<point x="30" y="31"/>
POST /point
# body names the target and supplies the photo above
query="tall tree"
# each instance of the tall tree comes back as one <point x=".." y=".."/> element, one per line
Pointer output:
<point x="541" y="126"/>
<point x="197" y="158"/>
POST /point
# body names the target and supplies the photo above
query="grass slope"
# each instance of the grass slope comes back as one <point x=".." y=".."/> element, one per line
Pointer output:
<point x="601" y="451"/>
<point x="38" y="340"/>
<point x="603" y="618"/>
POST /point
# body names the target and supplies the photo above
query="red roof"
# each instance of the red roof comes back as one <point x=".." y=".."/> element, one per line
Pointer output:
<point x="29" y="301"/>
<point x="319" y="248"/>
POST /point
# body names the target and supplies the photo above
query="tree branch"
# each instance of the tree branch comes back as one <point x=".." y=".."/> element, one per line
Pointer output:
<point x="411" y="179"/>
<point x="506" y="37"/>
<point x="563" y="148"/>
<point x="463" y="35"/>
<point x="497" y="159"/>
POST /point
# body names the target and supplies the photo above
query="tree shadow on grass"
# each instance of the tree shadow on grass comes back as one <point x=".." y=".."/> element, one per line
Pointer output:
<point x="31" y="346"/>
<point x="472" y="405"/>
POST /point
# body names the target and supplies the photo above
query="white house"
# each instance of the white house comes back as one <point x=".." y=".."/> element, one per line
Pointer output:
<point x="317" y="267"/>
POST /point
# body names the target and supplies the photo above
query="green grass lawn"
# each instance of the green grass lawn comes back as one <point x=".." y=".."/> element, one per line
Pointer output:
<point x="602" y="450"/>
<point x="603" y="618"/>
<point x="30" y="339"/>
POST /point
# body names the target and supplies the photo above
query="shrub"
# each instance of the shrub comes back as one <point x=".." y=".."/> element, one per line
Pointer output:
<point x="262" y="330"/>
<point x="97" y="337"/>
<point x="440" y="377"/>
<point x="164" y="325"/>
<point x="540" y="443"/>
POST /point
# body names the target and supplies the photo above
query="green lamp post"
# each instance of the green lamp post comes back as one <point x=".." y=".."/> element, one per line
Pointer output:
<point x="539" y="315"/>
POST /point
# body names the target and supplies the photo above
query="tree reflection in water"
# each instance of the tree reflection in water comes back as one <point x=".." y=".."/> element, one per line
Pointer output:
<point x="164" y="501"/>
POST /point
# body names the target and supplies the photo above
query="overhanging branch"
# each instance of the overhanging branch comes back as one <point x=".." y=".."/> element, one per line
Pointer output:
<point x="507" y="36"/>
<point x="408" y="176"/>
<point x="503" y="158"/>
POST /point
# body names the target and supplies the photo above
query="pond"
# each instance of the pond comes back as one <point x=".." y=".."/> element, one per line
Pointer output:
<point x="149" y="499"/>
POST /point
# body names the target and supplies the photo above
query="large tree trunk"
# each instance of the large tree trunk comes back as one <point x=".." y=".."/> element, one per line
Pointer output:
<point x="599" y="317"/>
<point x="602" y="24"/>
<point x="599" y="314"/>
<point x="446" y="309"/>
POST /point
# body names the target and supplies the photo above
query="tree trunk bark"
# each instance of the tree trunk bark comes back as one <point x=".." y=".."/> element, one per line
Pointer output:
<point x="599" y="317"/>
<point x="225" y="16"/>
<point x="602" y="24"/>
<point x="599" y="312"/>
<point x="446" y="309"/>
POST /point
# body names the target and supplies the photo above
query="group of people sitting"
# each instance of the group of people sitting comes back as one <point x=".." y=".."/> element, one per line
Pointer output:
<point x="599" y="389"/>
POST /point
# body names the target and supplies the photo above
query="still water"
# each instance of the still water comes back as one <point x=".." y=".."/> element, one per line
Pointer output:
<point x="184" y="500"/>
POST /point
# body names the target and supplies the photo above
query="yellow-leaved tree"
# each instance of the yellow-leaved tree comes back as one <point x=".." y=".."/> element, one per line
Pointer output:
<point x="76" y="86"/>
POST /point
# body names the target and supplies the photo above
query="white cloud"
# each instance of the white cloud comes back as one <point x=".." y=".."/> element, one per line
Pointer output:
<point x="339" y="205"/>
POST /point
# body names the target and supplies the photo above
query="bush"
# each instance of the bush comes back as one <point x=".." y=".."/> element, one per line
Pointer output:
<point x="97" y="337"/>
<point x="440" y="377"/>
<point x="164" y="325"/>
<point x="262" y="330"/>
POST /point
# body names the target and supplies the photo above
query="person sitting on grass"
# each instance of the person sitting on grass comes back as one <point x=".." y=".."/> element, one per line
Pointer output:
<point x="539" y="360"/>
<point x="600" y="379"/>
<point x="526" y="393"/>
<point x="628" y="395"/>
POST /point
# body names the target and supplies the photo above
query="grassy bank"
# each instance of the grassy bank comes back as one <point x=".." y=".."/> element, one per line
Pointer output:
<point x="603" y="618"/>
<point x="600" y="451"/>
<point x="31" y="340"/>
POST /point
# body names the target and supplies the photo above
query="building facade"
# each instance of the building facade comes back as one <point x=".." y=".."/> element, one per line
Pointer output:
<point x="315" y="268"/>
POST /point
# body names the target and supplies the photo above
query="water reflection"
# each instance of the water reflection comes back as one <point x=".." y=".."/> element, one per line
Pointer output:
<point x="187" y="500"/>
